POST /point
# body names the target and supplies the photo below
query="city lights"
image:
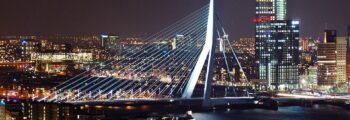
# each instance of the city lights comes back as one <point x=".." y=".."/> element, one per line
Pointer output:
<point x="156" y="59"/>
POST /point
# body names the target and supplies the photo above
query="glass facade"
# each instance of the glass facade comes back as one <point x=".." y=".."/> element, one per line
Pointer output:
<point x="267" y="10"/>
<point x="277" y="45"/>
<point x="281" y="9"/>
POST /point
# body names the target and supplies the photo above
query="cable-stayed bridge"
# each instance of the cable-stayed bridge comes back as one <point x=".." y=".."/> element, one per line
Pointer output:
<point x="168" y="66"/>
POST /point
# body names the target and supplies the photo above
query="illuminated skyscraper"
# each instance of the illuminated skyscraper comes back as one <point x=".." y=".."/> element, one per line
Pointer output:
<point x="281" y="9"/>
<point x="341" y="60"/>
<point x="332" y="69"/>
<point x="277" y="43"/>
<point x="327" y="60"/>
<point x="267" y="10"/>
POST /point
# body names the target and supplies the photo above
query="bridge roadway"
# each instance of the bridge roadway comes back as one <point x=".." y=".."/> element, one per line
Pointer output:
<point x="220" y="101"/>
<point x="224" y="102"/>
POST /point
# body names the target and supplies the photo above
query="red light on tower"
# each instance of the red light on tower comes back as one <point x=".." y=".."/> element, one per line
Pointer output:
<point x="263" y="19"/>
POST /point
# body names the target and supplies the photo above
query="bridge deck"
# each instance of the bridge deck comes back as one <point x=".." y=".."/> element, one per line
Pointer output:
<point x="179" y="101"/>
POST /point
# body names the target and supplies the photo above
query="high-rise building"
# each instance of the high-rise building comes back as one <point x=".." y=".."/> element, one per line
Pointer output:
<point x="341" y="45"/>
<point x="327" y="60"/>
<point x="281" y="9"/>
<point x="277" y="44"/>
<point x="331" y="59"/>
<point x="267" y="10"/>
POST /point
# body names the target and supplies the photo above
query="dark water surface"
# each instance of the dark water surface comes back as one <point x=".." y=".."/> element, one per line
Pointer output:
<point x="317" y="112"/>
<point x="174" y="112"/>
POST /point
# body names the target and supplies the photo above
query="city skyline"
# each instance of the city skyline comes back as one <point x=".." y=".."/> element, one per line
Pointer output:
<point x="91" y="17"/>
<point x="174" y="59"/>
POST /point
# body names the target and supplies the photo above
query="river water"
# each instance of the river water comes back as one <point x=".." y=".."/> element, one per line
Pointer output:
<point x="317" y="112"/>
<point x="155" y="112"/>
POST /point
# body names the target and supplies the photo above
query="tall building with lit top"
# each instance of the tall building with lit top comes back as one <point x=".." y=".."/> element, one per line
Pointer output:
<point x="277" y="44"/>
<point x="330" y="36"/>
<point x="332" y="67"/>
<point x="327" y="60"/>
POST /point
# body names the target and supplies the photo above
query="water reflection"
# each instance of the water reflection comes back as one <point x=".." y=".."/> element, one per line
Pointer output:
<point x="35" y="111"/>
<point x="318" y="112"/>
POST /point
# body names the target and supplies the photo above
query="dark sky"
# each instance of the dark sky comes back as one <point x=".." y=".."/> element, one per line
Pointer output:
<point x="134" y="17"/>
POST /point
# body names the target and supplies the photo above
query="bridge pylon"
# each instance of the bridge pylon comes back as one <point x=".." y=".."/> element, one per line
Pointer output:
<point x="208" y="53"/>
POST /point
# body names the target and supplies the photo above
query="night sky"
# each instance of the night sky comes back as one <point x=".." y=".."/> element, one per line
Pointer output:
<point x="136" y="17"/>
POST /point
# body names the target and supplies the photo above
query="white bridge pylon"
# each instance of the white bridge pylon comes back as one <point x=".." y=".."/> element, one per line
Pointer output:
<point x="207" y="52"/>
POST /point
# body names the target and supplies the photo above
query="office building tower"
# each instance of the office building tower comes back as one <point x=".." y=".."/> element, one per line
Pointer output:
<point x="327" y="61"/>
<point x="281" y="9"/>
<point x="268" y="10"/>
<point x="341" y="45"/>
<point x="278" y="54"/>
<point x="277" y="44"/>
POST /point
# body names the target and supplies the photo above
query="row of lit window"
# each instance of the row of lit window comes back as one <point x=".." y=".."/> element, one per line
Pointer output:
<point x="265" y="12"/>
<point x="265" y="0"/>
<point x="279" y="24"/>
